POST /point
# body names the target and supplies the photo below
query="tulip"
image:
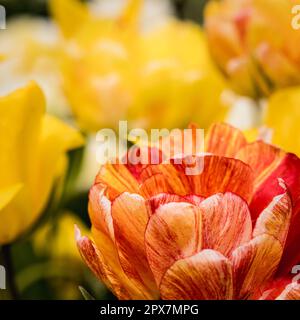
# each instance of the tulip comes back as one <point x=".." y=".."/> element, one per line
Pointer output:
<point x="284" y="124"/>
<point x="62" y="246"/>
<point x="31" y="51"/>
<point x="254" y="44"/>
<point x="230" y="232"/>
<point x="33" y="158"/>
<point x="113" y="70"/>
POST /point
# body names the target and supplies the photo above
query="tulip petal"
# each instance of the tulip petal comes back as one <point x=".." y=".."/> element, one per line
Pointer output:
<point x="100" y="211"/>
<point x="224" y="140"/>
<point x="103" y="261"/>
<point x="173" y="180"/>
<point x="288" y="170"/>
<point x="275" y="219"/>
<point x="33" y="148"/>
<point x="222" y="175"/>
<point x="164" y="198"/>
<point x="7" y="194"/>
<point x="204" y="276"/>
<point x="196" y="200"/>
<point x="76" y="12"/>
<point x="261" y="156"/>
<point x="130" y="217"/>
<point x="291" y="252"/>
<point x="155" y="185"/>
<point x="57" y="138"/>
<point x="273" y="289"/>
<point x="226" y="222"/>
<point x="21" y="114"/>
<point x="254" y="264"/>
<point x="292" y="292"/>
<point x="173" y="232"/>
<point x="118" y="179"/>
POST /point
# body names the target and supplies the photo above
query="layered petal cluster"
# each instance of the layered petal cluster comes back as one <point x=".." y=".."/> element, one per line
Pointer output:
<point x="32" y="158"/>
<point x="254" y="43"/>
<point x="114" y="70"/>
<point x="229" y="232"/>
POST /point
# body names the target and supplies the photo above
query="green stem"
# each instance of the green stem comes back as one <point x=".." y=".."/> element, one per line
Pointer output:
<point x="10" y="277"/>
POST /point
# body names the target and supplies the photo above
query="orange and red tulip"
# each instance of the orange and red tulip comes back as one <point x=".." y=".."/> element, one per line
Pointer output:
<point x="231" y="232"/>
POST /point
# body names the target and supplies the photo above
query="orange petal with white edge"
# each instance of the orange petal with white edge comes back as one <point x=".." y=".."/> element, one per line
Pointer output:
<point x="254" y="264"/>
<point x="164" y="198"/>
<point x="226" y="222"/>
<point x="222" y="175"/>
<point x="130" y="215"/>
<point x="224" y="140"/>
<point x="275" y="219"/>
<point x="262" y="157"/>
<point x="117" y="179"/>
<point x="204" y="276"/>
<point x="173" y="232"/>
<point x="291" y="292"/>
<point x="104" y="264"/>
<point x="100" y="210"/>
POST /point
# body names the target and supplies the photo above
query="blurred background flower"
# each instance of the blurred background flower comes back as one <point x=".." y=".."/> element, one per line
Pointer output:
<point x="254" y="44"/>
<point x="256" y="47"/>
<point x="36" y="58"/>
<point x="113" y="69"/>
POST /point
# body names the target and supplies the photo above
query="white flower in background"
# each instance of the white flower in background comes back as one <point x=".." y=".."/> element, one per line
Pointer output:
<point x="30" y="50"/>
<point x="154" y="12"/>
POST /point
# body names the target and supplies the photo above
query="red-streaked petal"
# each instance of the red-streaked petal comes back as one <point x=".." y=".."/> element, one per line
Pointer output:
<point x="116" y="179"/>
<point x="204" y="276"/>
<point x="226" y="222"/>
<point x="288" y="170"/>
<point x="224" y="140"/>
<point x="262" y="157"/>
<point x="105" y="265"/>
<point x="291" y="252"/>
<point x="175" y="181"/>
<point x="275" y="219"/>
<point x="173" y="232"/>
<point x="196" y="200"/>
<point x="154" y="185"/>
<point x="254" y="264"/>
<point x="222" y="175"/>
<point x="273" y="289"/>
<point x="291" y="292"/>
<point x="164" y="198"/>
<point x="100" y="210"/>
<point x="151" y="155"/>
<point x="130" y="217"/>
<point x="182" y="142"/>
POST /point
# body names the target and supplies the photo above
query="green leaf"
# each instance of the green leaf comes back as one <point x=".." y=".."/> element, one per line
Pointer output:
<point x="86" y="295"/>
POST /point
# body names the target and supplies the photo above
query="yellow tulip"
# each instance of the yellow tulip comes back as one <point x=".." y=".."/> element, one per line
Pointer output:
<point x="62" y="245"/>
<point x="254" y="44"/>
<point x="32" y="158"/>
<point x="282" y="116"/>
<point x="112" y="70"/>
